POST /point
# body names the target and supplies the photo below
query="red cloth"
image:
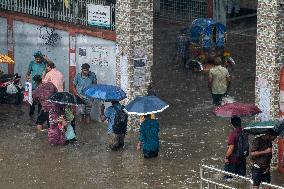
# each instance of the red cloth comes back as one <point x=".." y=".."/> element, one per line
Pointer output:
<point x="42" y="93"/>
<point x="233" y="140"/>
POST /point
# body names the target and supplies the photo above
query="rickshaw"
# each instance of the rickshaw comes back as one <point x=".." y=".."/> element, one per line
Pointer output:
<point x="207" y="41"/>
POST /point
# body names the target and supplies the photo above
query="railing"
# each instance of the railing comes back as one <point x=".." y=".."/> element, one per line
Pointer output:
<point x="184" y="11"/>
<point x="76" y="11"/>
<point x="208" y="181"/>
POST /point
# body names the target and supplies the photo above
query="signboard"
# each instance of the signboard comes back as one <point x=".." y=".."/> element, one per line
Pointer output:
<point x="99" y="15"/>
<point x="100" y="56"/>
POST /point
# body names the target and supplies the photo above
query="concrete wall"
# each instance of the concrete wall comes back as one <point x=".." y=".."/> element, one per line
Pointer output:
<point x="29" y="34"/>
<point x="3" y="42"/>
<point x="30" y="38"/>
<point x="100" y="54"/>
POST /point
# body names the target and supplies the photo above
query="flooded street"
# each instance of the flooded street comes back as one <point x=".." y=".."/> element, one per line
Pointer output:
<point x="190" y="134"/>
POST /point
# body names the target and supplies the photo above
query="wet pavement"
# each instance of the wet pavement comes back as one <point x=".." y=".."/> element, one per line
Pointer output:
<point x="190" y="134"/>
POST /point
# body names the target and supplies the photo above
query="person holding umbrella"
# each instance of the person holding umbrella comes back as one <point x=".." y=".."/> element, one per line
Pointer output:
<point x="81" y="81"/>
<point x="149" y="128"/>
<point x="261" y="155"/>
<point x="116" y="139"/>
<point x="61" y="118"/>
<point x="149" y="137"/>
<point x="115" y="116"/>
<point x="58" y="122"/>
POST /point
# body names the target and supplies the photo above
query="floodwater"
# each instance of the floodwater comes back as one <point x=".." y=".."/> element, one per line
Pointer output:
<point x="190" y="134"/>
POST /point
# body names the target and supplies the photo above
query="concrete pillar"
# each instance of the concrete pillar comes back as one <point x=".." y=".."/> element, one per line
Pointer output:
<point x="269" y="56"/>
<point x="10" y="43"/>
<point x="210" y="8"/>
<point x="72" y="58"/>
<point x="134" y="29"/>
<point x="269" y="59"/>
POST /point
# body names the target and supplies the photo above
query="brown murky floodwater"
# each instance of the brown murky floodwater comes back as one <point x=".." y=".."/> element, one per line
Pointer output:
<point x="190" y="134"/>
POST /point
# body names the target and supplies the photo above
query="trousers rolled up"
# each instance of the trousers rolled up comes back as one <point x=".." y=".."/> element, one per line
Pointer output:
<point x="86" y="106"/>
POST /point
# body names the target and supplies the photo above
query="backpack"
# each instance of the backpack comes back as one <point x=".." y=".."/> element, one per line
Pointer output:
<point x="120" y="121"/>
<point x="242" y="148"/>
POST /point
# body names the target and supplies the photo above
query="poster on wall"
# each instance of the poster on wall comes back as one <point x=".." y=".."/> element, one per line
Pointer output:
<point x="124" y="73"/>
<point x="139" y="72"/>
<point x="140" y="52"/>
<point x="72" y="42"/>
<point x="72" y="59"/>
<point x="264" y="99"/>
<point x="99" y="15"/>
<point x="139" y="77"/>
<point x="82" y="52"/>
<point x="100" y="55"/>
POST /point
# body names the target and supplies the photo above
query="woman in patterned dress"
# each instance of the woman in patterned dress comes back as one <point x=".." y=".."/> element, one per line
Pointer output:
<point x="56" y="131"/>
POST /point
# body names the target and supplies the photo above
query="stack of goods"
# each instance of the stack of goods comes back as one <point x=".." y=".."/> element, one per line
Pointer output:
<point x="6" y="59"/>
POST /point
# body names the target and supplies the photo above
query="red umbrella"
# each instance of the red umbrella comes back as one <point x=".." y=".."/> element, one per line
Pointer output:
<point x="236" y="109"/>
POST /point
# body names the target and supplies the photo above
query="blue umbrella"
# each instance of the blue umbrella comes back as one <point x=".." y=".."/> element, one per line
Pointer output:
<point x="105" y="92"/>
<point x="146" y="105"/>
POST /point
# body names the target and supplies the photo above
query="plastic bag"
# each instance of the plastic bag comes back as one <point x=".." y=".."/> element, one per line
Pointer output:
<point x="227" y="99"/>
<point x="70" y="134"/>
<point x="28" y="94"/>
<point x="11" y="89"/>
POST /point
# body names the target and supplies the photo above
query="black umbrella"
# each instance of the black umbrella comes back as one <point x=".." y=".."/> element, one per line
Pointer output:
<point x="63" y="98"/>
<point x="143" y="105"/>
<point x="260" y="127"/>
<point x="279" y="128"/>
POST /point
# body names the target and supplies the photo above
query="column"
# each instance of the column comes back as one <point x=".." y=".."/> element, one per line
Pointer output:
<point x="72" y="58"/>
<point x="134" y="29"/>
<point x="10" y="43"/>
<point x="269" y="57"/>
